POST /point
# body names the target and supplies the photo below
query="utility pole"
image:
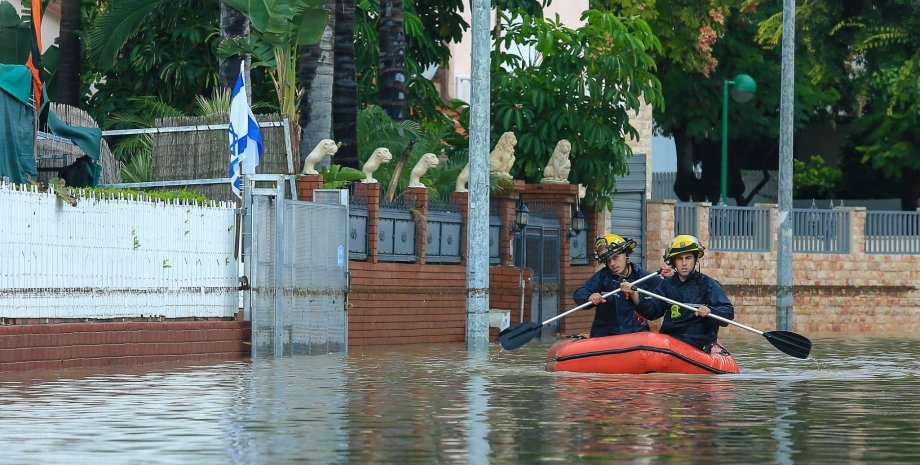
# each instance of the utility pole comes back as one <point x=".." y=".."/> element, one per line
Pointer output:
<point x="784" y="241"/>
<point x="477" y="265"/>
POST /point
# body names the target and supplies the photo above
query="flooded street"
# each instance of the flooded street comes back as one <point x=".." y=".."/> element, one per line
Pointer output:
<point x="854" y="401"/>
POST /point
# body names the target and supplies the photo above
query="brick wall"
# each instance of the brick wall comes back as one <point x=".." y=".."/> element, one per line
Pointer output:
<point x="53" y="345"/>
<point x="410" y="303"/>
<point x="855" y="293"/>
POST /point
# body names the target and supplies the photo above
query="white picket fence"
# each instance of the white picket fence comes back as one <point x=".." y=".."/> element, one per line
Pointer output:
<point x="114" y="257"/>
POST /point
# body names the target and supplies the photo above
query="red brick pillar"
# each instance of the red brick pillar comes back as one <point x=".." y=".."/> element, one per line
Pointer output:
<point x="418" y="197"/>
<point x="462" y="199"/>
<point x="306" y="184"/>
<point x="371" y="191"/>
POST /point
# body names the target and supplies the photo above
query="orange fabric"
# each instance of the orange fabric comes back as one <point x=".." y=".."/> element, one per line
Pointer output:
<point x="34" y="61"/>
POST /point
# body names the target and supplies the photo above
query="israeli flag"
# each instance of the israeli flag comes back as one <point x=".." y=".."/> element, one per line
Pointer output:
<point x="245" y="137"/>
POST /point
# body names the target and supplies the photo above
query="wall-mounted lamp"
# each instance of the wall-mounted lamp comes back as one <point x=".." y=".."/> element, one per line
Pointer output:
<point x="521" y="215"/>
<point x="579" y="223"/>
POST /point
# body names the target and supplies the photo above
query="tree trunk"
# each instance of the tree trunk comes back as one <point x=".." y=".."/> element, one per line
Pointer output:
<point x="345" y="86"/>
<point x="392" y="59"/>
<point x="232" y="24"/>
<point x="315" y="76"/>
<point x="68" y="74"/>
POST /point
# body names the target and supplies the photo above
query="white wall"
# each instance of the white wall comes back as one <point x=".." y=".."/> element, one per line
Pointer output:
<point x="108" y="258"/>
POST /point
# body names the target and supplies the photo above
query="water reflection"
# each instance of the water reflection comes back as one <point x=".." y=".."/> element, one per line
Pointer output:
<point x="853" y="403"/>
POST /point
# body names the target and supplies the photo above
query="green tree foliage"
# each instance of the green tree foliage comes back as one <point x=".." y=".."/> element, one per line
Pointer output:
<point x="871" y="51"/>
<point x="430" y="26"/>
<point x="583" y="88"/>
<point x="814" y="179"/>
<point x="278" y="27"/>
<point x="705" y="43"/>
<point x="140" y="48"/>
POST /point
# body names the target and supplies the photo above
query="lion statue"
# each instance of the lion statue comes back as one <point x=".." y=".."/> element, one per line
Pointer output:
<point x="325" y="148"/>
<point x="381" y="156"/>
<point x="428" y="160"/>
<point x="502" y="157"/>
<point x="559" y="166"/>
<point x="462" y="179"/>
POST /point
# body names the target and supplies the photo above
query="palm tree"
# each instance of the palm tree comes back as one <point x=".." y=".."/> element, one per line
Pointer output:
<point x="232" y="24"/>
<point x="345" y="86"/>
<point x="315" y="77"/>
<point x="392" y="65"/>
<point x="68" y="73"/>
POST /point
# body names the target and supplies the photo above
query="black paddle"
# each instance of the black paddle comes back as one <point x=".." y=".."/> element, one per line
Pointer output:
<point x="788" y="342"/>
<point x="515" y="336"/>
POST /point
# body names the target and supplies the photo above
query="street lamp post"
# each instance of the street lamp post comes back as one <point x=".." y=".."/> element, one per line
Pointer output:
<point x="521" y="217"/>
<point x="742" y="89"/>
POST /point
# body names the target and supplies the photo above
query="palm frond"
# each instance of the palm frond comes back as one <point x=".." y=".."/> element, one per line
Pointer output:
<point x="117" y="25"/>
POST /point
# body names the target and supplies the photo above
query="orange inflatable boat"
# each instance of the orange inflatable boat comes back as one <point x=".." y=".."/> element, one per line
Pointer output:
<point x="637" y="353"/>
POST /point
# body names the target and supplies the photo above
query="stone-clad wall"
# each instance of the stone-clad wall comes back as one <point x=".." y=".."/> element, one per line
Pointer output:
<point x="855" y="293"/>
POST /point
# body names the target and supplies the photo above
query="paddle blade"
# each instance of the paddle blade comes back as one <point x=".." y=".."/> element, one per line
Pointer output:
<point x="515" y="336"/>
<point x="791" y="343"/>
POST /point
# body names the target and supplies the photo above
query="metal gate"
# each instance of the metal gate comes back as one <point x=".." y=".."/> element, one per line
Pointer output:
<point x="628" y="216"/>
<point x="297" y="267"/>
<point x="541" y="254"/>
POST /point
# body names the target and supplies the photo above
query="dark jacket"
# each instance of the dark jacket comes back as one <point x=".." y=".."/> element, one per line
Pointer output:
<point x="617" y="315"/>
<point x="681" y="323"/>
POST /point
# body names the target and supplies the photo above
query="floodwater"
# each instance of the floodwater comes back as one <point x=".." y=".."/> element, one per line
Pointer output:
<point x="857" y="400"/>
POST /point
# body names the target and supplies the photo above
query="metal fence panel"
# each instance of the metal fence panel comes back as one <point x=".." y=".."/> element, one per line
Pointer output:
<point x="578" y="248"/>
<point x="396" y="236"/>
<point x="298" y="277"/>
<point x="892" y="232"/>
<point x="357" y="234"/>
<point x="739" y="228"/>
<point x="443" y="237"/>
<point x="495" y="234"/>
<point x="685" y="219"/>
<point x="820" y="231"/>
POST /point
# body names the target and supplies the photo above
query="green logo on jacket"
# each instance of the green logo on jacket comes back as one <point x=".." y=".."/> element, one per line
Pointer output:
<point x="675" y="311"/>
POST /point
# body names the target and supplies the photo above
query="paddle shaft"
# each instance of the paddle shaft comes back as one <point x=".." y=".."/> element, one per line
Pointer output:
<point x="588" y="303"/>
<point x="688" y="307"/>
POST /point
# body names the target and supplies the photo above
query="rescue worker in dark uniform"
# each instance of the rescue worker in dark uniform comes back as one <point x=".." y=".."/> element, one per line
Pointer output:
<point x="616" y="314"/>
<point x="688" y="286"/>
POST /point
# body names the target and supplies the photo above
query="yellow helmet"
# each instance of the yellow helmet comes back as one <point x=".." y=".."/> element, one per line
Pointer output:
<point x="682" y="244"/>
<point x="609" y="245"/>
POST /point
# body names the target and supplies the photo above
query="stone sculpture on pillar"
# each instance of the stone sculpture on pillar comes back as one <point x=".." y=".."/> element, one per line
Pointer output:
<point x="462" y="179"/>
<point x="559" y="166"/>
<point x="325" y="148"/>
<point x="502" y="157"/>
<point x="380" y="156"/>
<point x="428" y="160"/>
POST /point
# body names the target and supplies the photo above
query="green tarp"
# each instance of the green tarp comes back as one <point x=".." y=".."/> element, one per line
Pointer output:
<point x="83" y="172"/>
<point x="17" y="125"/>
<point x="17" y="133"/>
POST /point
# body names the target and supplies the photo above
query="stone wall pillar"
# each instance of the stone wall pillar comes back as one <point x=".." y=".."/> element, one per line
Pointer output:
<point x="660" y="229"/>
